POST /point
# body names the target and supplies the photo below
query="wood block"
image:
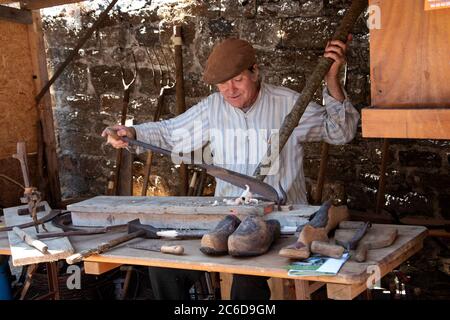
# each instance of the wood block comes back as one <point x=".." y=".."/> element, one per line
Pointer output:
<point x="161" y="212"/>
<point x="176" y="212"/>
<point x="375" y="237"/>
<point x="22" y="253"/>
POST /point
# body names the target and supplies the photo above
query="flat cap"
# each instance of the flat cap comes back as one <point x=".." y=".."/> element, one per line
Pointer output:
<point x="228" y="59"/>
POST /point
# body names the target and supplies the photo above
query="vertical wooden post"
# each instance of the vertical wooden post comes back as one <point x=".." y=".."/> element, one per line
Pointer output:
<point x="382" y="181"/>
<point x="39" y="61"/>
<point x="322" y="173"/>
<point x="180" y="101"/>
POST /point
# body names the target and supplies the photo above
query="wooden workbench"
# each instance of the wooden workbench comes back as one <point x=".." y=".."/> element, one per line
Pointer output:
<point x="349" y="283"/>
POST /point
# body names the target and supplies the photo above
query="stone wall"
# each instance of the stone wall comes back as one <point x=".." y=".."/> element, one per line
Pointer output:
<point x="288" y="36"/>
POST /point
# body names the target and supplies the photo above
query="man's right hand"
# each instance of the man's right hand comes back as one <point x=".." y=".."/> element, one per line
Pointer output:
<point x="113" y="133"/>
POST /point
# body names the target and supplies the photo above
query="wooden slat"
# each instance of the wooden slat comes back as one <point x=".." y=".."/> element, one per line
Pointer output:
<point x="15" y="15"/>
<point x="302" y="290"/>
<point x="39" y="60"/>
<point x="39" y="4"/>
<point x="22" y="253"/>
<point x="406" y="123"/>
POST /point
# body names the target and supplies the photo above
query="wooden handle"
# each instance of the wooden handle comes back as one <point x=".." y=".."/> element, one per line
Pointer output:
<point x="30" y="240"/>
<point x="77" y="257"/>
<point x="327" y="249"/>
<point x="361" y="252"/>
<point x="177" y="250"/>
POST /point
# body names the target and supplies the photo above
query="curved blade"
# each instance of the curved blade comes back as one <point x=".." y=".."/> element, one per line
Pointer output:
<point x="235" y="178"/>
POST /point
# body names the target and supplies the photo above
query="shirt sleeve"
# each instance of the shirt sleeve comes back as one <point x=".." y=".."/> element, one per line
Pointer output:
<point x="335" y="123"/>
<point x="184" y="133"/>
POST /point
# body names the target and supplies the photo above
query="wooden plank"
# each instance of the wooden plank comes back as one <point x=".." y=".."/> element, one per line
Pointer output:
<point x="406" y="123"/>
<point x="226" y="279"/>
<point x="23" y="254"/>
<point x="409" y="56"/>
<point x="39" y="62"/>
<point x="176" y="212"/>
<point x="161" y="212"/>
<point x="15" y="15"/>
<point x="97" y="268"/>
<point x="39" y="4"/>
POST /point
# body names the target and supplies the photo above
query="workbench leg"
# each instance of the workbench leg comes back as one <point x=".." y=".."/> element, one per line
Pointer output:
<point x="302" y="290"/>
<point x="52" y="275"/>
<point x="226" y="280"/>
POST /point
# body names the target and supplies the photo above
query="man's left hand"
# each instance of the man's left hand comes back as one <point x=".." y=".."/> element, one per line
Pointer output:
<point x="336" y="50"/>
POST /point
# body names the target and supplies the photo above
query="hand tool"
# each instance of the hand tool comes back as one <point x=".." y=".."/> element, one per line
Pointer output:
<point x="30" y="240"/>
<point x="52" y="214"/>
<point x="176" y="250"/>
<point x="235" y="178"/>
<point x="135" y="230"/>
<point x="327" y="249"/>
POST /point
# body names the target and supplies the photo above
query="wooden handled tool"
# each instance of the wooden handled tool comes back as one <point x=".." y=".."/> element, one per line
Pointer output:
<point x="135" y="230"/>
<point x="327" y="249"/>
<point x="176" y="250"/>
<point x="30" y="240"/>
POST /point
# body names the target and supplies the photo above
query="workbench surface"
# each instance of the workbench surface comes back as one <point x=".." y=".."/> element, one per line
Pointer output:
<point x="352" y="276"/>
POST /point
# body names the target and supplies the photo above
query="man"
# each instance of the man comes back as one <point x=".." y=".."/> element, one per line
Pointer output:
<point x="239" y="122"/>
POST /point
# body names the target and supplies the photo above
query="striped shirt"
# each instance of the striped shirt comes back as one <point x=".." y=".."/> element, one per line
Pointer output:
<point x="238" y="140"/>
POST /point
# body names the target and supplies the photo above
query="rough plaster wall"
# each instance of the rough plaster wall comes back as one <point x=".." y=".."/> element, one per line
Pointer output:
<point x="288" y="36"/>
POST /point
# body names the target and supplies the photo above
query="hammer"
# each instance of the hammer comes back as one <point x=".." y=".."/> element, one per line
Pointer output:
<point x="135" y="229"/>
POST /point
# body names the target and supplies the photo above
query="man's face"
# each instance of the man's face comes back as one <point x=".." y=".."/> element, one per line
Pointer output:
<point x="241" y="90"/>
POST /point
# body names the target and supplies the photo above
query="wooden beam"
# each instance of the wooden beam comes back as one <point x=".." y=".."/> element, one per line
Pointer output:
<point x="39" y="4"/>
<point x="39" y="60"/>
<point x="98" y="268"/>
<point x="15" y="15"/>
<point x="424" y="123"/>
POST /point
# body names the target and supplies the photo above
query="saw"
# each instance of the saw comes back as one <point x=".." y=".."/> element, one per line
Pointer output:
<point x="235" y="178"/>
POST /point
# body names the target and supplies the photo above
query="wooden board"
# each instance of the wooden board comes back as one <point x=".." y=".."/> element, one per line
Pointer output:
<point x="269" y="264"/>
<point x="18" y="113"/>
<point x="176" y="212"/>
<point x="161" y="212"/>
<point x="22" y="253"/>
<point x="409" y="72"/>
<point x="406" y="123"/>
<point x="409" y="56"/>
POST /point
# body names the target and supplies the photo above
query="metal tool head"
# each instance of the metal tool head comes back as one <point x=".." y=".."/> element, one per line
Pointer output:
<point x="136" y="225"/>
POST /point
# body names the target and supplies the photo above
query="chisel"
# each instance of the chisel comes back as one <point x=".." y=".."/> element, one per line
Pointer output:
<point x="177" y="250"/>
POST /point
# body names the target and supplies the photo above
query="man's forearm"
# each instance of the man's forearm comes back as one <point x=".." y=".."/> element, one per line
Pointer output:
<point x="335" y="89"/>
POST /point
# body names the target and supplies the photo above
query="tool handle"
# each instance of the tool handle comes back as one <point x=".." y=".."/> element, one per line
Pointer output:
<point x="177" y="250"/>
<point x="30" y="240"/>
<point x="327" y="249"/>
<point x="105" y="246"/>
<point x="21" y="155"/>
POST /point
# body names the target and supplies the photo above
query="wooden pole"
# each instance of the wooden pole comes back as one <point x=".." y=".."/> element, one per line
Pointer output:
<point x="322" y="173"/>
<point x="180" y="99"/>
<point x="39" y="62"/>
<point x="382" y="181"/>
<point x="312" y="84"/>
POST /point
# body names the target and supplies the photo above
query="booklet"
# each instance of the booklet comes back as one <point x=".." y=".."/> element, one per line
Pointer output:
<point x="317" y="265"/>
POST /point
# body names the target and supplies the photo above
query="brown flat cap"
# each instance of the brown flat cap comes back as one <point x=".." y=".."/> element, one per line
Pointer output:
<point x="228" y="59"/>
